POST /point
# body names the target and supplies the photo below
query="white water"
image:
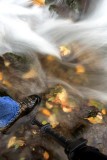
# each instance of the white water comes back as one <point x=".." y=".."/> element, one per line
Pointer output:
<point x="24" y="27"/>
<point x="18" y="24"/>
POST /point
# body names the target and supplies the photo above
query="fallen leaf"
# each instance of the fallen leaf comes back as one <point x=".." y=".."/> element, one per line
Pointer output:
<point x="34" y="132"/>
<point x="7" y="83"/>
<point x="59" y="96"/>
<point x="80" y="69"/>
<point x="46" y="155"/>
<point x="53" y="121"/>
<point x="62" y="96"/>
<point x="99" y="115"/>
<point x="104" y="111"/>
<point x="49" y="105"/>
<point x="30" y="74"/>
<point x="6" y="63"/>
<point x="66" y="109"/>
<point x="1" y="76"/>
<point x="46" y="112"/>
<point x="50" y="58"/>
<point x="11" y="142"/>
<point x="95" y="120"/>
<point x="64" y="51"/>
<point x="20" y="142"/>
<point x="39" y="2"/>
<point x="44" y="122"/>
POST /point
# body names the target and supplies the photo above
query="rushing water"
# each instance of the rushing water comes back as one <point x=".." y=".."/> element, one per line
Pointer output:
<point x="27" y="29"/>
<point x="34" y="32"/>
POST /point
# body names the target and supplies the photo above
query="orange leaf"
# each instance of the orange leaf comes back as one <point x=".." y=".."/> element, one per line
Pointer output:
<point x="50" y="58"/>
<point x="80" y="69"/>
<point x="39" y="2"/>
<point x="46" y="112"/>
<point x="104" y="111"/>
<point x="1" y="76"/>
<point x="46" y="155"/>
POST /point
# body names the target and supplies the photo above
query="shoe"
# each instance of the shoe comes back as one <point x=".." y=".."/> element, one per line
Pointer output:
<point x="11" y="111"/>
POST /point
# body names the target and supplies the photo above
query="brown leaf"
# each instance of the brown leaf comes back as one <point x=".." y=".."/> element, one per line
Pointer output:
<point x="7" y="83"/>
<point x="30" y="74"/>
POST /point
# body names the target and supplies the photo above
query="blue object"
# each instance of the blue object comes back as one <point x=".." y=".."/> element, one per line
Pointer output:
<point x="9" y="110"/>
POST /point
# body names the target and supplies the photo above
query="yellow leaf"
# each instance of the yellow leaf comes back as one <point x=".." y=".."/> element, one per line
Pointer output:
<point x="6" y="63"/>
<point x="67" y="109"/>
<point x="53" y="121"/>
<point x="46" y="155"/>
<point x="49" y="105"/>
<point x="80" y="69"/>
<point x="34" y="132"/>
<point x="14" y="141"/>
<point x="64" y="51"/>
<point x="44" y="122"/>
<point x="39" y="2"/>
<point x="30" y="74"/>
<point x="95" y="120"/>
<point x="62" y="96"/>
<point x="11" y="142"/>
